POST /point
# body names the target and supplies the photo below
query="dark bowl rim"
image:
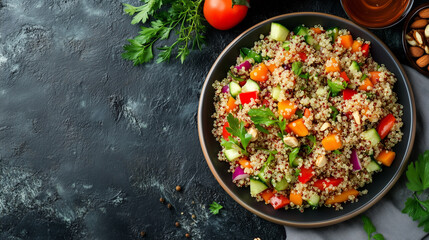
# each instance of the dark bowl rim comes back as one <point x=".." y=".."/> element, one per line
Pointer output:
<point x="351" y="214"/>
<point x="405" y="28"/>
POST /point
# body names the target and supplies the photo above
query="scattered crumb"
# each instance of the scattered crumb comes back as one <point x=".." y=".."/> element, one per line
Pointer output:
<point x="169" y="205"/>
<point x="161" y="200"/>
<point x="177" y="224"/>
<point x="178" y="188"/>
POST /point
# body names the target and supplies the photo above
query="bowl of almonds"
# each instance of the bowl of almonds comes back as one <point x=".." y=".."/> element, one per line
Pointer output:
<point x="415" y="38"/>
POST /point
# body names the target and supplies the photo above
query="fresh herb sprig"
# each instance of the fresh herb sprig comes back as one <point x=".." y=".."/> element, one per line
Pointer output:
<point x="370" y="229"/>
<point x="236" y="128"/>
<point x="418" y="181"/>
<point x="215" y="208"/>
<point x="184" y="16"/>
<point x="264" y="116"/>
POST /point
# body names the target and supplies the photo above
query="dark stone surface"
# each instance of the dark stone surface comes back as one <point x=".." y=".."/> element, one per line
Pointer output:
<point x="90" y="143"/>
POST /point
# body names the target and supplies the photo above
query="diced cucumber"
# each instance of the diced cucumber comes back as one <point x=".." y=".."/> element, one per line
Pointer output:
<point x="354" y="67"/>
<point x="312" y="42"/>
<point x="314" y="200"/>
<point x="232" y="154"/>
<point x="280" y="186"/>
<point x="301" y="31"/>
<point x="333" y="33"/>
<point x="262" y="175"/>
<point x="234" y="89"/>
<point x="278" y="32"/>
<point x="256" y="187"/>
<point x="285" y="45"/>
<point x="373" y="166"/>
<point x="372" y="136"/>
<point x="276" y="93"/>
<point x="250" y="86"/>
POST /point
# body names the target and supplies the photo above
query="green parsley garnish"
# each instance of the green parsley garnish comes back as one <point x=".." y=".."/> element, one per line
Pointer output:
<point x="297" y="68"/>
<point x="337" y="152"/>
<point x="336" y="87"/>
<point x="307" y="148"/>
<point x="364" y="76"/>
<point x="183" y="16"/>
<point x="215" y="208"/>
<point x="334" y="112"/>
<point x="297" y="172"/>
<point x="236" y="128"/>
<point x="292" y="156"/>
<point x="370" y="229"/>
<point x="418" y="181"/>
<point x="265" y="116"/>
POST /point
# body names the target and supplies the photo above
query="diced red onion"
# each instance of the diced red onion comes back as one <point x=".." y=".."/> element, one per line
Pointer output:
<point x="225" y="89"/>
<point x="245" y="64"/>
<point x="239" y="174"/>
<point x="355" y="161"/>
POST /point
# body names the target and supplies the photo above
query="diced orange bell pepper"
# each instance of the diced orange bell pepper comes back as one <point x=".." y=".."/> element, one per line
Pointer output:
<point x="332" y="142"/>
<point x="344" y="196"/>
<point x="245" y="163"/>
<point x="298" y="127"/>
<point x="271" y="67"/>
<point x="332" y="65"/>
<point x="230" y="105"/>
<point x="366" y="85"/>
<point x="287" y="109"/>
<point x="260" y="73"/>
<point x="386" y="157"/>
<point x="375" y="77"/>
<point x="356" y="46"/>
<point x="346" y="41"/>
<point x="295" y="198"/>
<point x="267" y="195"/>
<point x="317" y="30"/>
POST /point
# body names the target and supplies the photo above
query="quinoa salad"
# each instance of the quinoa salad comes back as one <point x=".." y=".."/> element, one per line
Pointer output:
<point x="306" y="117"/>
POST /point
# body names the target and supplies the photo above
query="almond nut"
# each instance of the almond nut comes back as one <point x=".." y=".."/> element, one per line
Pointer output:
<point x="419" y="23"/>
<point x="427" y="31"/>
<point x="410" y="39"/>
<point x="424" y="13"/>
<point x="423" y="61"/>
<point x="416" y="51"/>
<point x="420" y="39"/>
<point x="426" y="49"/>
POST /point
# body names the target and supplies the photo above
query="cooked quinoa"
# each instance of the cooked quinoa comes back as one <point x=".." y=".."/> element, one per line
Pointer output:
<point x="307" y="96"/>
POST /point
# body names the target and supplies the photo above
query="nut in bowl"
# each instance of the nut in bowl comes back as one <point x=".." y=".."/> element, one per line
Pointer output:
<point x="416" y="38"/>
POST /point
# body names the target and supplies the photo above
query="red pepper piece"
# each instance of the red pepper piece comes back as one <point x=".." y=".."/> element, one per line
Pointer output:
<point x="225" y="133"/>
<point x="279" y="201"/>
<point x="365" y="50"/>
<point x="324" y="183"/>
<point x="348" y="94"/>
<point x="344" y="76"/>
<point x="303" y="56"/>
<point x="385" y="125"/>
<point x="246" y="97"/>
<point x="305" y="174"/>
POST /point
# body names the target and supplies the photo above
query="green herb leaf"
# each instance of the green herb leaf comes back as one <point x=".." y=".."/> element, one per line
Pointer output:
<point x="299" y="113"/>
<point x="236" y="128"/>
<point x="261" y="129"/>
<point x="292" y="156"/>
<point x="305" y="75"/>
<point x="364" y="76"/>
<point x="297" y="68"/>
<point x="228" y="144"/>
<point x="368" y="226"/>
<point x="334" y="113"/>
<point x="335" y="87"/>
<point x="418" y="174"/>
<point x="215" y="208"/>
<point x="235" y="78"/>
<point x="378" y="236"/>
<point x="240" y="2"/>
<point x="297" y="172"/>
<point x="337" y="152"/>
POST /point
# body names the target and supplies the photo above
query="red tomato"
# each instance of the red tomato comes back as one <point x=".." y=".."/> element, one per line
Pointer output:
<point x="278" y="201"/>
<point x="305" y="174"/>
<point x="225" y="133"/>
<point x="365" y="50"/>
<point x="246" y="97"/>
<point x="348" y="94"/>
<point x="385" y="125"/>
<point x="324" y="183"/>
<point x="221" y="15"/>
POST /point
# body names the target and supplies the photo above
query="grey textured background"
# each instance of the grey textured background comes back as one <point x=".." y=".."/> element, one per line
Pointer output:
<point x="90" y="143"/>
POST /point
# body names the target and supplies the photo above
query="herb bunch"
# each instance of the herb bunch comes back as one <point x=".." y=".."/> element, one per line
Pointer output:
<point x="215" y="208"/>
<point x="418" y="181"/>
<point x="183" y="16"/>
<point x="236" y="128"/>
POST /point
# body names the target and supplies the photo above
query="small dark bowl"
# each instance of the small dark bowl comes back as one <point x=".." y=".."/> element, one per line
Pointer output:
<point x="382" y="182"/>
<point x="406" y="46"/>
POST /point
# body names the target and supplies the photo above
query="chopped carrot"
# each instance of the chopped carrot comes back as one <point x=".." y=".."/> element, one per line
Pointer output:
<point x="332" y="142"/>
<point x="245" y="163"/>
<point x="260" y="73"/>
<point x="317" y="30"/>
<point x="307" y="113"/>
<point x="367" y="85"/>
<point x="346" y="41"/>
<point x="386" y="157"/>
<point x="356" y="46"/>
<point x="332" y="66"/>
<point x="296" y="198"/>
<point x="230" y="105"/>
<point x="271" y="67"/>
<point x="298" y="127"/>
<point x="287" y="109"/>
<point x="375" y="77"/>
<point x="344" y="196"/>
<point x="267" y="195"/>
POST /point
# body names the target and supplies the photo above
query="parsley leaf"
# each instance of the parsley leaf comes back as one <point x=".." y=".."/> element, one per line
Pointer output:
<point x="265" y="116"/>
<point x="297" y="172"/>
<point x="236" y="128"/>
<point x="261" y="129"/>
<point x="215" y="208"/>
<point x="334" y="112"/>
<point x="299" y="113"/>
<point x="370" y="229"/>
<point x="307" y="148"/>
<point x="335" y="87"/>
<point x="184" y="16"/>
<point x="337" y="151"/>
<point x="292" y="156"/>
<point x="297" y="68"/>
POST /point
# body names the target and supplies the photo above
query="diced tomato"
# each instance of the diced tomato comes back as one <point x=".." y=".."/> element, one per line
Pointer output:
<point x="385" y="125"/>
<point x="303" y="56"/>
<point x="365" y="50"/>
<point x="225" y="133"/>
<point x="348" y="93"/>
<point x="267" y="195"/>
<point x="305" y="174"/>
<point x="247" y="97"/>
<point x="279" y="201"/>
<point x="324" y="183"/>
<point x="344" y="76"/>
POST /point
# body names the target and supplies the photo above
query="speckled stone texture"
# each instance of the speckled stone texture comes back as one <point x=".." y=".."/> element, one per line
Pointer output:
<point x="89" y="143"/>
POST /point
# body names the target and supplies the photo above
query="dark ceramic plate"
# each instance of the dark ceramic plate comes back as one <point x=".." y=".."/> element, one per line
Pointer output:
<point x="382" y="182"/>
